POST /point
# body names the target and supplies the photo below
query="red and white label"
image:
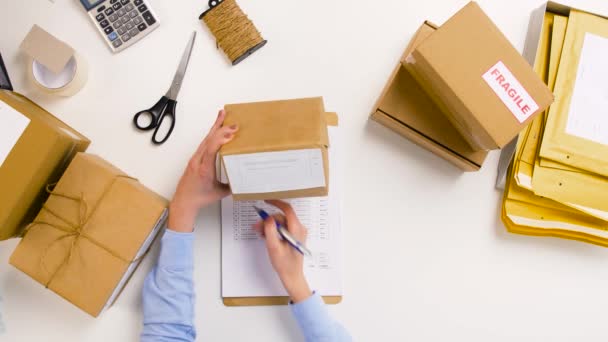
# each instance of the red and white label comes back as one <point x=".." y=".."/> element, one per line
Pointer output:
<point x="510" y="91"/>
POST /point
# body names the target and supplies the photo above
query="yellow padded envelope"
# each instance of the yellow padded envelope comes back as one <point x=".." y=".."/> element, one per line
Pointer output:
<point x="525" y="213"/>
<point x="571" y="186"/>
<point x="528" y="139"/>
<point x="576" y="131"/>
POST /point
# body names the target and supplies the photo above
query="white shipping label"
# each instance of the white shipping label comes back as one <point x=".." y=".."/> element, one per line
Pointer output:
<point x="510" y="91"/>
<point x="12" y="125"/>
<point x="588" y="114"/>
<point x="275" y="171"/>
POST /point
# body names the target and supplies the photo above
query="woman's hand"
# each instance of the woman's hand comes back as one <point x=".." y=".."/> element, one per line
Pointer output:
<point x="286" y="261"/>
<point x="198" y="186"/>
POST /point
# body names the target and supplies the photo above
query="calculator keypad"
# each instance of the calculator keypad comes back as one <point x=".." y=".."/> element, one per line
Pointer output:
<point x="149" y="18"/>
<point x="122" y="20"/>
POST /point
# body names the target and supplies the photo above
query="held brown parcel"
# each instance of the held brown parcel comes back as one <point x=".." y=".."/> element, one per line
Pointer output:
<point x="478" y="79"/>
<point x="39" y="157"/>
<point x="91" y="234"/>
<point x="278" y="126"/>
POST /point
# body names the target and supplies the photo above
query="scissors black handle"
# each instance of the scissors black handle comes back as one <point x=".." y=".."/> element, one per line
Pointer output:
<point x="163" y="109"/>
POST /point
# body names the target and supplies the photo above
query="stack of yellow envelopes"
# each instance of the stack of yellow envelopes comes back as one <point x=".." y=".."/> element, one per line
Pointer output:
<point x="558" y="181"/>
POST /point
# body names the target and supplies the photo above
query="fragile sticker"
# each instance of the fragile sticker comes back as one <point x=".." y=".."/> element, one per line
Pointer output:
<point x="510" y="91"/>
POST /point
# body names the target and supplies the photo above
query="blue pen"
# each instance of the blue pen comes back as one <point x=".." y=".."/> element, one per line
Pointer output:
<point x="285" y="234"/>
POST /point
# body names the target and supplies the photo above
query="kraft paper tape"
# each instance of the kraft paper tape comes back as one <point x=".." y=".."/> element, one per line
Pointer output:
<point x="67" y="83"/>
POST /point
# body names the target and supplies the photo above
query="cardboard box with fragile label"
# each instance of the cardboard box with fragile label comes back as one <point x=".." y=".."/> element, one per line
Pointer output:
<point x="406" y="109"/>
<point x="478" y="79"/>
<point x="279" y="151"/>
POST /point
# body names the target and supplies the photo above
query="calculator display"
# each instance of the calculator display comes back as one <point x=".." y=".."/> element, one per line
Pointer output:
<point x="89" y="4"/>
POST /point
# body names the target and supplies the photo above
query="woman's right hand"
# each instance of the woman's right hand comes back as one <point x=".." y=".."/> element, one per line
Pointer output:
<point x="286" y="261"/>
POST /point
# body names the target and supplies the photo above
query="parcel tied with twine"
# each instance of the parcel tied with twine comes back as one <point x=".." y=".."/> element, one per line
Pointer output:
<point x="91" y="234"/>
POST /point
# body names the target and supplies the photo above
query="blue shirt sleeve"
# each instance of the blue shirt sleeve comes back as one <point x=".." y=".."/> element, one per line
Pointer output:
<point x="168" y="294"/>
<point x="315" y="322"/>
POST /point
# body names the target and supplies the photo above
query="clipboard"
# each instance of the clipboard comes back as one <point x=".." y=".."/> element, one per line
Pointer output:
<point x="271" y="301"/>
<point x="332" y="120"/>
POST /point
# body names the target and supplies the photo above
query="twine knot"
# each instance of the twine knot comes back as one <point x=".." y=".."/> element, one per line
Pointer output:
<point x="71" y="230"/>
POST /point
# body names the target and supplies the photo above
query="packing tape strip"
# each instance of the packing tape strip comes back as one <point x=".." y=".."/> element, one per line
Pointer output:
<point x="69" y="82"/>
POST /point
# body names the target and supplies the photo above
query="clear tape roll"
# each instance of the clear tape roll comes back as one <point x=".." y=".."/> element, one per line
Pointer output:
<point x="67" y="83"/>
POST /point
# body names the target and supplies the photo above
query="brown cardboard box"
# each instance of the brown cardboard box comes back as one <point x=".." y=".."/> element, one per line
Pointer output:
<point x="279" y="151"/>
<point x="91" y="233"/>
<point x="406" y="109"/>
<point x="482" y="83"/>
<point x="38" y="158"/>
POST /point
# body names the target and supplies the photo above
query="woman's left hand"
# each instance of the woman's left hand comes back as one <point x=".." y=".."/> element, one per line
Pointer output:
<point x="198" y="186"/>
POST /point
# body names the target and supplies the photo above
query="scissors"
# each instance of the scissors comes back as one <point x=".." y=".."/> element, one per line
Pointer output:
<point x="164" y="109"/>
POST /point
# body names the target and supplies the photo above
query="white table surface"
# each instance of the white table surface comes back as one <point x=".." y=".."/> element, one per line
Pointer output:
<point x="426" y="257"/>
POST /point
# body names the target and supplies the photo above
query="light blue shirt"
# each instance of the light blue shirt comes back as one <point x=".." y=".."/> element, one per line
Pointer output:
<point x="168" y="299"/>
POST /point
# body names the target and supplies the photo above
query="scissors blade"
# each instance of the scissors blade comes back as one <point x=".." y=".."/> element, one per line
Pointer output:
<point x="181" y="70"/>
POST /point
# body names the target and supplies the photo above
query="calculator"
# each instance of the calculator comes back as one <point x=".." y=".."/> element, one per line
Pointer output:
<point x="121" y="22"/>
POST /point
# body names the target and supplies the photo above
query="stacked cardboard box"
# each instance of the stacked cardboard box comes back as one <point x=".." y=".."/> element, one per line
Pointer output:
<point x="84" y="224"/>
<point x="461" y="89"/>
<point x="558" y="181"/>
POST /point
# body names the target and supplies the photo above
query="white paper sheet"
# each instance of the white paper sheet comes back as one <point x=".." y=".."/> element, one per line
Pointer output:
<point x="246" y="269"/>
<point x="12" y="125"/>
<point x="275" y="171"/>
<point x="588" y="115"/>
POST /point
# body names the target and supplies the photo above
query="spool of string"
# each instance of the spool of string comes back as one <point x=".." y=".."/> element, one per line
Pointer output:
<point x="235" y="33"/>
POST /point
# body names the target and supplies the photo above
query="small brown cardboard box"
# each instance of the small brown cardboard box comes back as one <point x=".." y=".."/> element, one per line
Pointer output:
<point x="406" y="109"/>
<point x="279" y="151"/>
<point x="482" y="83"/>
<point x="37" y="159"/>
<point x="91" y="233"/>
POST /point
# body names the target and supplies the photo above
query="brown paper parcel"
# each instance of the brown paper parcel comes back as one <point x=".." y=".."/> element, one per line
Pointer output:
<point x="88" y="232"/>
<point x="279" y="126"/>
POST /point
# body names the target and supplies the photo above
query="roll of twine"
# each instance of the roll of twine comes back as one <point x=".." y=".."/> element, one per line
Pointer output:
<point x="236" y="35"/>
